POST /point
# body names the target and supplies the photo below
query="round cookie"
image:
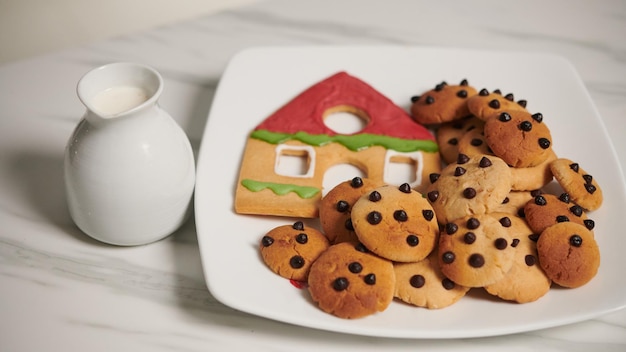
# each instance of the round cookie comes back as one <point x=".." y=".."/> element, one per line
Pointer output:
<point x="350" y="282"/>
<point x="289" y="250"/>
<point x="485" y="104"/>
<point x="533" y="177"/>
<point x="336" y="207"/>
<point x="519" y="138"/>
<point x="526" y="281"/>
<point x="581" y="186"/>
<point x="423" y="284"/>
<point x="475" y="251"/>
<point x="569" y="254"/>
<point x="475" y="185"/>
<point x="545" y="210"/>
<point x="449" y="135"/>
<point x="396" y="223"/>
<point x="442" y="104"/>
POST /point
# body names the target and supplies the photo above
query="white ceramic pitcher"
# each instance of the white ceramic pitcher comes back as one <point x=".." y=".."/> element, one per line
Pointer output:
<point x="129" y="167"/>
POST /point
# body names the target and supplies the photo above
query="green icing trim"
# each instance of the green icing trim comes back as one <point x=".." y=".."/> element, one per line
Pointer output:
<point x="280" y="188"/>
<point x="353" y="142"/>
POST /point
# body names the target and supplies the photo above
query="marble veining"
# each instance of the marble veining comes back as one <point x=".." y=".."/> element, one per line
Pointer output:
<point x="61" y="290"/>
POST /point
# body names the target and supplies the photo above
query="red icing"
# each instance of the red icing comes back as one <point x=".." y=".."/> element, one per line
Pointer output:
<point x="305" y="112"/>
<point x="298" y="284"/>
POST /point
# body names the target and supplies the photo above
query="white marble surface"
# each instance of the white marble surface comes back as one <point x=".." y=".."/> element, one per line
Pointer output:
<point x="60" y="290"/>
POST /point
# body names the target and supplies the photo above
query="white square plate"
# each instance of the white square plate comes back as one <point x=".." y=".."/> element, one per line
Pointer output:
<point x="259" y="81"/>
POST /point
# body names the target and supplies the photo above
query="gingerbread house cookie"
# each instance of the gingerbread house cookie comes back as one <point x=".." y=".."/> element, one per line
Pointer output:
<point x="298" y="129"/>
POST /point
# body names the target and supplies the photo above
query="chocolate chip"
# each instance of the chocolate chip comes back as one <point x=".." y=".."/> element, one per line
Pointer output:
<point x="356" y="182"/>
<point x="506" y="200"/>
<point x="355" y="267"/>
<point x="473" y="223"/>
<point x="469" y="193"/>
<point x="429" y="100"/>
<point x="497" y="91"/>
<point x="588" y="178"/>
<point x="589" y="224"/>
<point x="302" y="238"/>
<point x="494" y="104"/>
<point x="538" y="117"/>
<point x="562" y="218"/>
<point x="459" y="171"/>
<point x="400" y="215"/>
<point x="374" y="218"/>
<point x="433" y="177"/>
<point x="533" y="237"/>
<point x="515" y="242"/>
<point x="521" y="213"/>
<point x="544" y="143"/>
<point x="374" y="196"/>
<point x="536" y="192"/>
<point x="462" y="158"/>
<point x="522" y="103"/>
<point x="298" y="225"/>
<point x="462" y="93"/>
<point x="360" y="247"/>
<point x="412" y="240"/>
<point x="476" y="142"/>
<point x="509" y="97"/>
<point x="342" y="206"/>
<point x="525" y="126"/>
<point x="428" y="214"/>
<point x="504" y="117"/>
<point x="447" y="284"/>
<point x="576" y="210"/>
<point x="415" y="98"/>
<point x="405" y="188"/>
<point x="484" y="162"/>
<point x="267" y="241"/>
<point x="590" y="188"/>
<point x="501" y="243"/>
<point x="440" y="86"/>
<point x="540" y="200"/>
<point x="417" y="281"/>
<point x="564" y="197"/>
<point x="476" y="260"/>
<point x="296" y="262"/>
<point x="530" y="260"/>
<point x="448" y="257"/>
<point x="451" y="228"/>
<point x="574" y="167"/>
<point x="433" y="195"/>
<point x="505" y="221"/>
<point x="340" y="284"/>
<point x="469" y="237"/>
<point x="483" y="92"/>
<point x="453" y="141"/>
<point x="370" y="279"/>
<point x="464" y="82"/>
<point x="576" y="240"/>
<point x="348" y="225"/>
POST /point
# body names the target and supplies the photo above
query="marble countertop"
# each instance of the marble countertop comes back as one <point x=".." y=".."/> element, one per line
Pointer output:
<point x="61" y="290"/>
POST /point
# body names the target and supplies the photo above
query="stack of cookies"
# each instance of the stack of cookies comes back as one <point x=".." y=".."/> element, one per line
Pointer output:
<point x="485" y="221"/>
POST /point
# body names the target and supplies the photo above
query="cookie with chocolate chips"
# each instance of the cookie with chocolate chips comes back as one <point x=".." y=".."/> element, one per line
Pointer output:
<point x="519" y="138"/>
<point x="485" y="104"/>
<point x="475" y="250"/>
<point x="350" y="282"/>
<point x="526" y="281"/>
<point x="396" y="223"/>
<point x="545" y="210"/>
<point x="583" y="188"/>
<point x="289" y="250"/>
<point x="442" y="104"/>
<point x="472" y="185"/>
<point x="450" y="134"/>
<point x="336" y="207"/>
<point x="422" y="284"/>
<point x="569" y="254"/>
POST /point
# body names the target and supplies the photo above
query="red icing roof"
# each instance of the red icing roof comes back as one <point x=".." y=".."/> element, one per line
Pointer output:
<point x="305" y="112"/>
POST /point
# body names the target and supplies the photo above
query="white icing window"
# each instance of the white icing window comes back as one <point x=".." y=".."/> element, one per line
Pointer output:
<point x="295" y="161"/>
<point x="403" y="168"/>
